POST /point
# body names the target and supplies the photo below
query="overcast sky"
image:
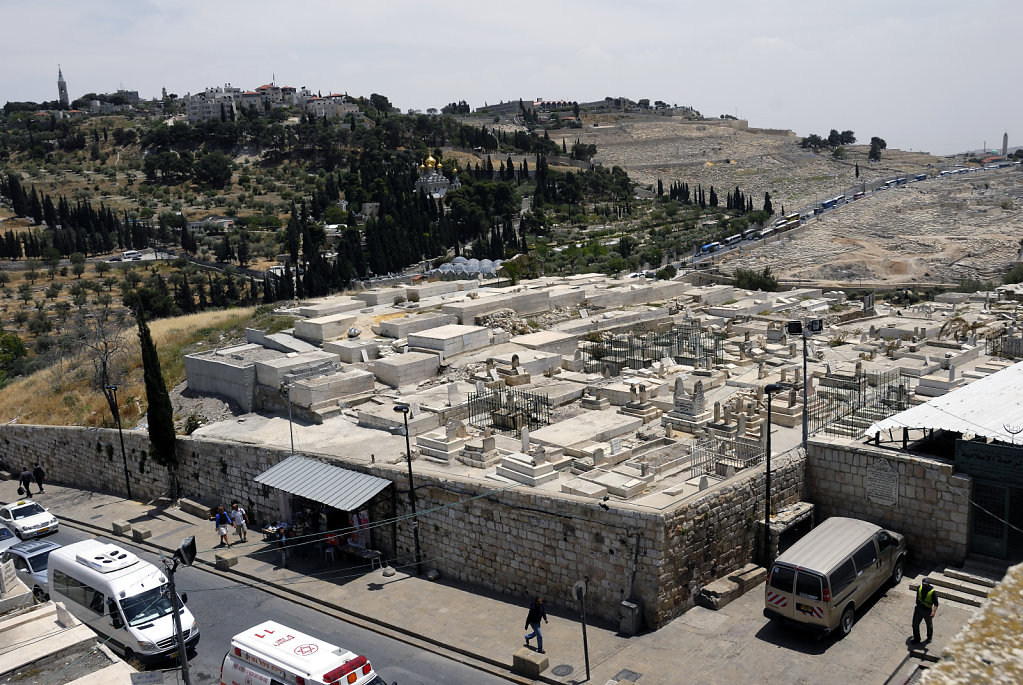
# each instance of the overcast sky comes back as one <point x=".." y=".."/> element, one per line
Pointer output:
<point x="936" y="75"/>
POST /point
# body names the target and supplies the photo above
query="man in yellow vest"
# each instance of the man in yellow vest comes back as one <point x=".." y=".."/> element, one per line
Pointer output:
<point x="926" y="607"/>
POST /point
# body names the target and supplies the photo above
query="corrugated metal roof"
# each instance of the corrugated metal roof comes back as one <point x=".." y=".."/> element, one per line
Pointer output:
<point x="988" y="407"/>
<point x="331" y="485"/>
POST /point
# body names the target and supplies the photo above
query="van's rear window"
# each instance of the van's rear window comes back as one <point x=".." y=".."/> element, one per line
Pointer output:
<point x="781" y="578"/>
<point x="808" y="586"/>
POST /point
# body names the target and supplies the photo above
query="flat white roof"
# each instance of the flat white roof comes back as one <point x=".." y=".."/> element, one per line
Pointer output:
<point x="988" y="407"/>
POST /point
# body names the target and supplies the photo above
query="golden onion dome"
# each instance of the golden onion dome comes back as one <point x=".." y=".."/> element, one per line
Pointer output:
<point x="430" y="162"/>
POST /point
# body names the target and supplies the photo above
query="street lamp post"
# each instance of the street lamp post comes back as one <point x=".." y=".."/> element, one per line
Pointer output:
<point x="403" y="409"/>
<point x="770" y="390"/>
<point x="111" y="392"/>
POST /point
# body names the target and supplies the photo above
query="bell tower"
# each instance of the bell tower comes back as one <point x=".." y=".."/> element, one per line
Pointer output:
<point x="62" y="89"/>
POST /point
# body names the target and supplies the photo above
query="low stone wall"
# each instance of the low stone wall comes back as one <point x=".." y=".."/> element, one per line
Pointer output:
<point x="920" y="497"/>
<point x="515" y="540"/>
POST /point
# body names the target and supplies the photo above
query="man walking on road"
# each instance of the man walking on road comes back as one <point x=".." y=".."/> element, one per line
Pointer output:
<point x="39" y="475"/>
<point x="26" y="481"/>
<point x="926" y="607"/>
<point x="240" y="521"/>
<point x="221" y="521"/>
<point x="536" y="612"/>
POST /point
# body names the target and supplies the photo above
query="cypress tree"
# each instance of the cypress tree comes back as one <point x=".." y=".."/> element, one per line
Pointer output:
<point x="160" y="412"/>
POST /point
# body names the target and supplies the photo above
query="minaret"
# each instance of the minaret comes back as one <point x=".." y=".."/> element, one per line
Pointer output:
<point x="62" y="89"/>
<point x="1005" y="145"/>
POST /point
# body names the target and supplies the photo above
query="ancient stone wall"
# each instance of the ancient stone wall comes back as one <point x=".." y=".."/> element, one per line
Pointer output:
<point x="922" y="498"/>
<point x="513" y="540"/>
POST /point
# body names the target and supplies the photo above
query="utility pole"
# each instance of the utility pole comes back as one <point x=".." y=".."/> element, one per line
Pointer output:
<point x="111" y="392"/>
<point x="404" y="410"/>
<point x="185" y="554"/>
<point x="579" y="589"/>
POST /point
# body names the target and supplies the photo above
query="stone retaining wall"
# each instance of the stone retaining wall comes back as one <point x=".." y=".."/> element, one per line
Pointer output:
<point x="930" y="502"/>
<point x="510" y="539"/>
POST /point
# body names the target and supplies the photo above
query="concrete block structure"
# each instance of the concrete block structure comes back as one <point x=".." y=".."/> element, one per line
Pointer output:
<point x="375" y="296"/>
<point x="413" y="323"/>
<point x="547" y="341"/>
<point x="229" y="372"/>
<point x="313" y="392"/>
<point x="330" y="305"/>
<point x="351" y="351"/>
<point x="272" y="371"/>
<point x="324" y="328"/>
<point x="451" y="339"/>
<point x="410" y="368"/>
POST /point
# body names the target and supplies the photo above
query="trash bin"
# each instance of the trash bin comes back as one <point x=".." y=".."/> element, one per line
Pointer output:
<point x="630" y="618"/>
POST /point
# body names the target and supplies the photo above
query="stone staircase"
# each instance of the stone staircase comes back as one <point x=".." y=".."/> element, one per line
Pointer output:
<point x="969" y="585"/>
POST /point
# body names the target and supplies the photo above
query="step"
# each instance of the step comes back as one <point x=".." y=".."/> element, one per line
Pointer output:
<point x="970" y="577"/>
<point x="952" y="595"/>
<point x="946" y="581"/>
<point x="986" y="567"/>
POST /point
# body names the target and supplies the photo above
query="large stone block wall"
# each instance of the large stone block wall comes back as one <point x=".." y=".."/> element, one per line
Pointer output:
<point x="933" y="506"/>
<point x="715" y="534"/>
<point x="519" y="541"/>
<point x="208" y="375"/>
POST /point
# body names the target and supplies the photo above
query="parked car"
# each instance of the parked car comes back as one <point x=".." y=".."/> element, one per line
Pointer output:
<point x="31" y="559"/>
<point x="28" y="519"/>
<point x="7" y="538"/>
<point x="820" y="582"/>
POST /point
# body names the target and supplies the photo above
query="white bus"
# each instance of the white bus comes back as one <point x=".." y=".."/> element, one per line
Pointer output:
<point x="733" y="239"/>
<point x="121" y="597"/>
<point x="131" y="255"/>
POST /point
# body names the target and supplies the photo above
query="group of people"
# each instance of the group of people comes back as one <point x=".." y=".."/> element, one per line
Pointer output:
<point x="26" y="477"/>
<point x="223" y="521"/>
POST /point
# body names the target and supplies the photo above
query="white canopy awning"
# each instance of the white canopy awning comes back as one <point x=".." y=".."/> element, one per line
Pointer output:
<point x="324" y="483"/>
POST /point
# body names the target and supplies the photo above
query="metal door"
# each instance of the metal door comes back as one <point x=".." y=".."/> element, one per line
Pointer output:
<point x="989" y="533"/>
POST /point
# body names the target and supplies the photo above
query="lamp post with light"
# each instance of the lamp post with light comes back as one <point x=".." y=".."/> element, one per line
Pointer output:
<point x="403" y="409"/>
<point x="770" y="390"/>
<point x="111" y="392"/>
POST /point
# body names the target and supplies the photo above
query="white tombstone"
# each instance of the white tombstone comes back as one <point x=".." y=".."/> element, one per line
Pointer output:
<point x="525" y="439"/>
<point x="480" y="387"/>
<point x="453" y="396"/>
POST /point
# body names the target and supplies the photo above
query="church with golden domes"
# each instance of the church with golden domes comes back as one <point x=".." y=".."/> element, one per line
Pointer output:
<point x="432" y="180"/>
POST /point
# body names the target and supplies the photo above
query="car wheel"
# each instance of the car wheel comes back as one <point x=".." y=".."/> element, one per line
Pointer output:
<point x="848" y="618"/>
<point x="38" y="593"/>
<point x="897" y="571"/>
<point x="129" y="655"/>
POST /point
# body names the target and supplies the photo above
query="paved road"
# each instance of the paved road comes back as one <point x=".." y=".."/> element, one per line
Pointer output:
<point x="224" y="608"/>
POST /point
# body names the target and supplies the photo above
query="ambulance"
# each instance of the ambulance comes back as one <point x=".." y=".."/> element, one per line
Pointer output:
<point x="273" y="654"/>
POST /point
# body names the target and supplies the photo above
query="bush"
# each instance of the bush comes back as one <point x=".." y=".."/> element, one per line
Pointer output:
<point x="750" y="279"/>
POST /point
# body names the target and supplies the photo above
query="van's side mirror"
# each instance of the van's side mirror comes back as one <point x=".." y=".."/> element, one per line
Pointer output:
<point x="184" y="598"/>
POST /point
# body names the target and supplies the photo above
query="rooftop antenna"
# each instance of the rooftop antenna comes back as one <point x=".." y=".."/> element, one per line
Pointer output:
<point x="1013" y="430"/>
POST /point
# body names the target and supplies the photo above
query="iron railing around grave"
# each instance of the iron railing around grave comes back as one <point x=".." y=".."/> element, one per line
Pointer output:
<point x="848" y="406"/>
<point x="1005" y="346"/>
<point x="684" y="342"/>
<point x="508" y="409"/>
<point x="714" y="455"/>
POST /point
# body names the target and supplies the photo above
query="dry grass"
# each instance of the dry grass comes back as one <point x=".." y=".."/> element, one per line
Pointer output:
<point x="64" y="393"/>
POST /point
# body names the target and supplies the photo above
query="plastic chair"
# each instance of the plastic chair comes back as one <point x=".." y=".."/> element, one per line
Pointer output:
<point x="330" y="553"/>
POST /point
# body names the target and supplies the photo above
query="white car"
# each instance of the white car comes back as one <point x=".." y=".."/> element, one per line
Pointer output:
<point x="27" y="519"/>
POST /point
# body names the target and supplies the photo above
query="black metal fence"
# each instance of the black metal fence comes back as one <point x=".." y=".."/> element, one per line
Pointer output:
<point x="715" y="455"/>
<point x="1004" y="346"/>
<point x="507" y="409"/>
<point x="847" y="406"/>
<point x="685" y="342"/>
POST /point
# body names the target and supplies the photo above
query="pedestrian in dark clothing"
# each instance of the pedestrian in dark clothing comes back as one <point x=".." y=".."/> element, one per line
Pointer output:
<point x="39" y="474"/>
<point x="221" y="521"/>
<point x="536" y="612"/>
<point x="26" y="481"/>
<point x="926" y="608"/>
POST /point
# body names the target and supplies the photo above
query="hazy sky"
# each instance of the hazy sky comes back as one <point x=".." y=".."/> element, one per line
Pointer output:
<point x="936" y="75"/>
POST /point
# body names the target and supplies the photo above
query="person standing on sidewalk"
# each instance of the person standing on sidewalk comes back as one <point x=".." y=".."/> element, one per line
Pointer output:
<point x="241" y="522"/>
<point x="26" y="481"/>
<point x="39" y="475"/>
<point x="536" y="612"/>
<point x="926" y="608"/>
<point x="221" y="521"/>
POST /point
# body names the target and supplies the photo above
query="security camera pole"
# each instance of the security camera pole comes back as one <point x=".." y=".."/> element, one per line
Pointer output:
<point x="796" y="328"/>
<point x="579" y="589"/>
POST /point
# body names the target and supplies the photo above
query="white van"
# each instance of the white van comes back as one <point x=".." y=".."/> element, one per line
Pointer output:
<point x="820" y="582"/>
<point x="121" y="597"/>
<point x="273" y="654"/>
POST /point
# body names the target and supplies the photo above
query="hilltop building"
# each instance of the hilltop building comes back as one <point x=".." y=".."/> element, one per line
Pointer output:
<point x="432" y="180"/>
<point x="1005" y="145"/>
<point x="207" y="105"/>
<point x="62" y="90"/>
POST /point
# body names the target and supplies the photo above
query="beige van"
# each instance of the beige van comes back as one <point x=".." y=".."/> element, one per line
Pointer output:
<point x="820" y="581"/>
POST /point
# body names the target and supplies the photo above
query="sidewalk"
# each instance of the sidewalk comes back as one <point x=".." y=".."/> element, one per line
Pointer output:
<point x="433" y="615"/>
<point x="483" y="629"/>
